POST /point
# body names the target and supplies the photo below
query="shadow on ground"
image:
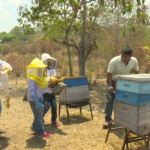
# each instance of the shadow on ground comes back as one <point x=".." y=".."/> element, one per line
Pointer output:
<point x="53" y="129"/>
<point x="74" y="119"/>
<point x="35" y="142"/>
<point x="120" y="133"/>
<point x="4" y="143"/>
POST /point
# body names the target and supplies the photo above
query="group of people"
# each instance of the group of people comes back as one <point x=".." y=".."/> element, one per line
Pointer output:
<point x="40" y="96"/>
<point x="41" y="72"/>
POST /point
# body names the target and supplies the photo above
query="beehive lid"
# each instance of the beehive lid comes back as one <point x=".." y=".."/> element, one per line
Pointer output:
<point x="134" y="77"/>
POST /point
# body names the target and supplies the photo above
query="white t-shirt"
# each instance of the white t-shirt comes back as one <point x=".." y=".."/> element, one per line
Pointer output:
<point x="50" y="73"/>
<point x="118" y="67"/>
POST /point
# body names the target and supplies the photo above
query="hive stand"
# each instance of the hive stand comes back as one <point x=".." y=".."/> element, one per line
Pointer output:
<point x="75" y="105"/>
<point x="127" y="140"/>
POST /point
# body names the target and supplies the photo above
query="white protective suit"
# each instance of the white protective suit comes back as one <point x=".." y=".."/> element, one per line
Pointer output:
<point x="51" y="71"/>
<point x="4" y="78"/>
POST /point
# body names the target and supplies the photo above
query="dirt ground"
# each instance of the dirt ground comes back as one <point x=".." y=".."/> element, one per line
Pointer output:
<point x="82" y="133"/>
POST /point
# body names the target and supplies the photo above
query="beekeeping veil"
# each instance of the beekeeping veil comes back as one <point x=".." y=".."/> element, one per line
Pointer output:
<point x="36" y="71"/>
<point x="53" y="62"/>
<point x="5" y="69"/>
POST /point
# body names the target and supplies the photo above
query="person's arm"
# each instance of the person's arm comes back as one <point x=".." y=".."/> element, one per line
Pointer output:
<point x="32" y="89"/>
<point x="110" y="70"/>
<point x="136" y="67"/>
<point x="109" y="80"/>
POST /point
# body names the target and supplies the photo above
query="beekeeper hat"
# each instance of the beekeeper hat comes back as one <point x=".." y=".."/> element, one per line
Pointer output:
<point x="47" y="58"/>
<point x="35" y="71"/>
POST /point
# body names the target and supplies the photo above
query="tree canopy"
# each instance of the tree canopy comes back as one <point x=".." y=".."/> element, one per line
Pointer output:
<point x="61" y="19"/>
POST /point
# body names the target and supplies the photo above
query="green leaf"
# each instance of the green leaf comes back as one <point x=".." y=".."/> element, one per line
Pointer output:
<point x="130" y="5"/>
<point x="146" y="48"/>
<point x="124" y="33"/>
<point x="138" y="12"/>
<point x="143" y="1"/>
<point x="123" y="11"/>
<point x="115" y="1"/>
<point x="133" y="28"/>
<point x="138" y="2"/>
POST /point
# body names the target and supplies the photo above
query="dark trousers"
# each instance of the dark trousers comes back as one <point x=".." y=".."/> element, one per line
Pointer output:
<point x="109" y="105"/>
<point x="50" y="101"/>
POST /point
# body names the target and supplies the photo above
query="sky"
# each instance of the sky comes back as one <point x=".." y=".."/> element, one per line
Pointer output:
<point x="9" y="13"/>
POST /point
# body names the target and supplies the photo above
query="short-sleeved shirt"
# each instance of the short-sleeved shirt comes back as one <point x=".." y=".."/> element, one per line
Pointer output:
<point x="118" y="67"/>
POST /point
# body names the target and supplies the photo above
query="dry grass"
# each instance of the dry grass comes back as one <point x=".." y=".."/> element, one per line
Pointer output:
<point x="81" y="134"/>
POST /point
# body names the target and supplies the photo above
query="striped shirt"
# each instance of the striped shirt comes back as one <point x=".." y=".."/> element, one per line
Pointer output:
<point x="34" y="90"/>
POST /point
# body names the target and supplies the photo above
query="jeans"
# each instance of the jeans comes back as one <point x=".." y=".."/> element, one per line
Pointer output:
<point x="50" y="101"/>
<point x="37" y="124"/>
<point x="108" y="109"/>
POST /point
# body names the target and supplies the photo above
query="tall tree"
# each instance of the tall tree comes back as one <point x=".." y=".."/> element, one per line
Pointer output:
<point x="61" y="19"/>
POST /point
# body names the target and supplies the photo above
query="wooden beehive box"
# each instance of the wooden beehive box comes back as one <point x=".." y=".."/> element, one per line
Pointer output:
<point x="134" y="118"/>
<point x="132" y="97"/>
<point x="76" y="90"/>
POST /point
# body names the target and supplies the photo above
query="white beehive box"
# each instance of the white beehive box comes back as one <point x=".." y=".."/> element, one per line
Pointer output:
<point x="136" y="119"/>
<point x="76" y="90"/>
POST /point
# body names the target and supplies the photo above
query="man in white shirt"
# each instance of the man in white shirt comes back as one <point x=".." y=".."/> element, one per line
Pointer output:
<point x="48" y="96"/>
<point x="119" y="65"/>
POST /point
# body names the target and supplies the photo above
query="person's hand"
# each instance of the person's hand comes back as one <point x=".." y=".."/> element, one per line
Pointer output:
<point x="6" y="68"/>
<point x="110" y="89"/>
<point x="8" y="101"/>
<point x="39" y="107"/>
<point x="54" y="80"/>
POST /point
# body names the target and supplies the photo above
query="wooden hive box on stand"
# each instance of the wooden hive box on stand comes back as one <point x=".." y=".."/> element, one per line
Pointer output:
<point x="76" y="90"/>
<point x="132" y="102"/>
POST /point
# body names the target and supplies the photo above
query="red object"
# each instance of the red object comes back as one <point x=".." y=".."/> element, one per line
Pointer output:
<point x="44" y="135"/>
<point x="56" y="123"/>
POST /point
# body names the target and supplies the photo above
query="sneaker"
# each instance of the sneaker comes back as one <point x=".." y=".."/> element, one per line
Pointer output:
<point x="106" y="125"/>
<point x="56" y="123"/>
<point x="1" y="137"/>
<point x="44" y="135"/>
<point x="2" y="131"/>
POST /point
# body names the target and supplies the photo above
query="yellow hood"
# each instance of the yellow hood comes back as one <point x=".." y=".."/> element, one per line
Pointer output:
<point x="35" y="71"/>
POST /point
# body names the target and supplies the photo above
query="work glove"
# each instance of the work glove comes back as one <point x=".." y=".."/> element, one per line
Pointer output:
<point x="7" y="101"/>
<point x="6" y="68"/>
<point x="38" y="104"/>
<point x="54" y="80"/>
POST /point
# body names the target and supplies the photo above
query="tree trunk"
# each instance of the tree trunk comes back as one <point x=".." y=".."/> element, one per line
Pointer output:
<point x="81" y="64"/>
<point x="81" y="69"/>
<point x="69" y="61"/>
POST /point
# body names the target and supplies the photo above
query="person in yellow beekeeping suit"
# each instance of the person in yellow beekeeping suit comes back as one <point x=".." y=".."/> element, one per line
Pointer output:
<point x="5" y="69"/>
<point x="36" y="84"/>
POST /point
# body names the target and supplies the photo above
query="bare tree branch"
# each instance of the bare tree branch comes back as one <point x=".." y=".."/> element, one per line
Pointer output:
<point x="74" y="43"/>
<point x="67" y="44"/>
<point x="90" y="30"/>
<point x="69" y="28"/>
<point x="88" y="2"/>
<point x="83" y="29"/>
<point x="86" y="55"/>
